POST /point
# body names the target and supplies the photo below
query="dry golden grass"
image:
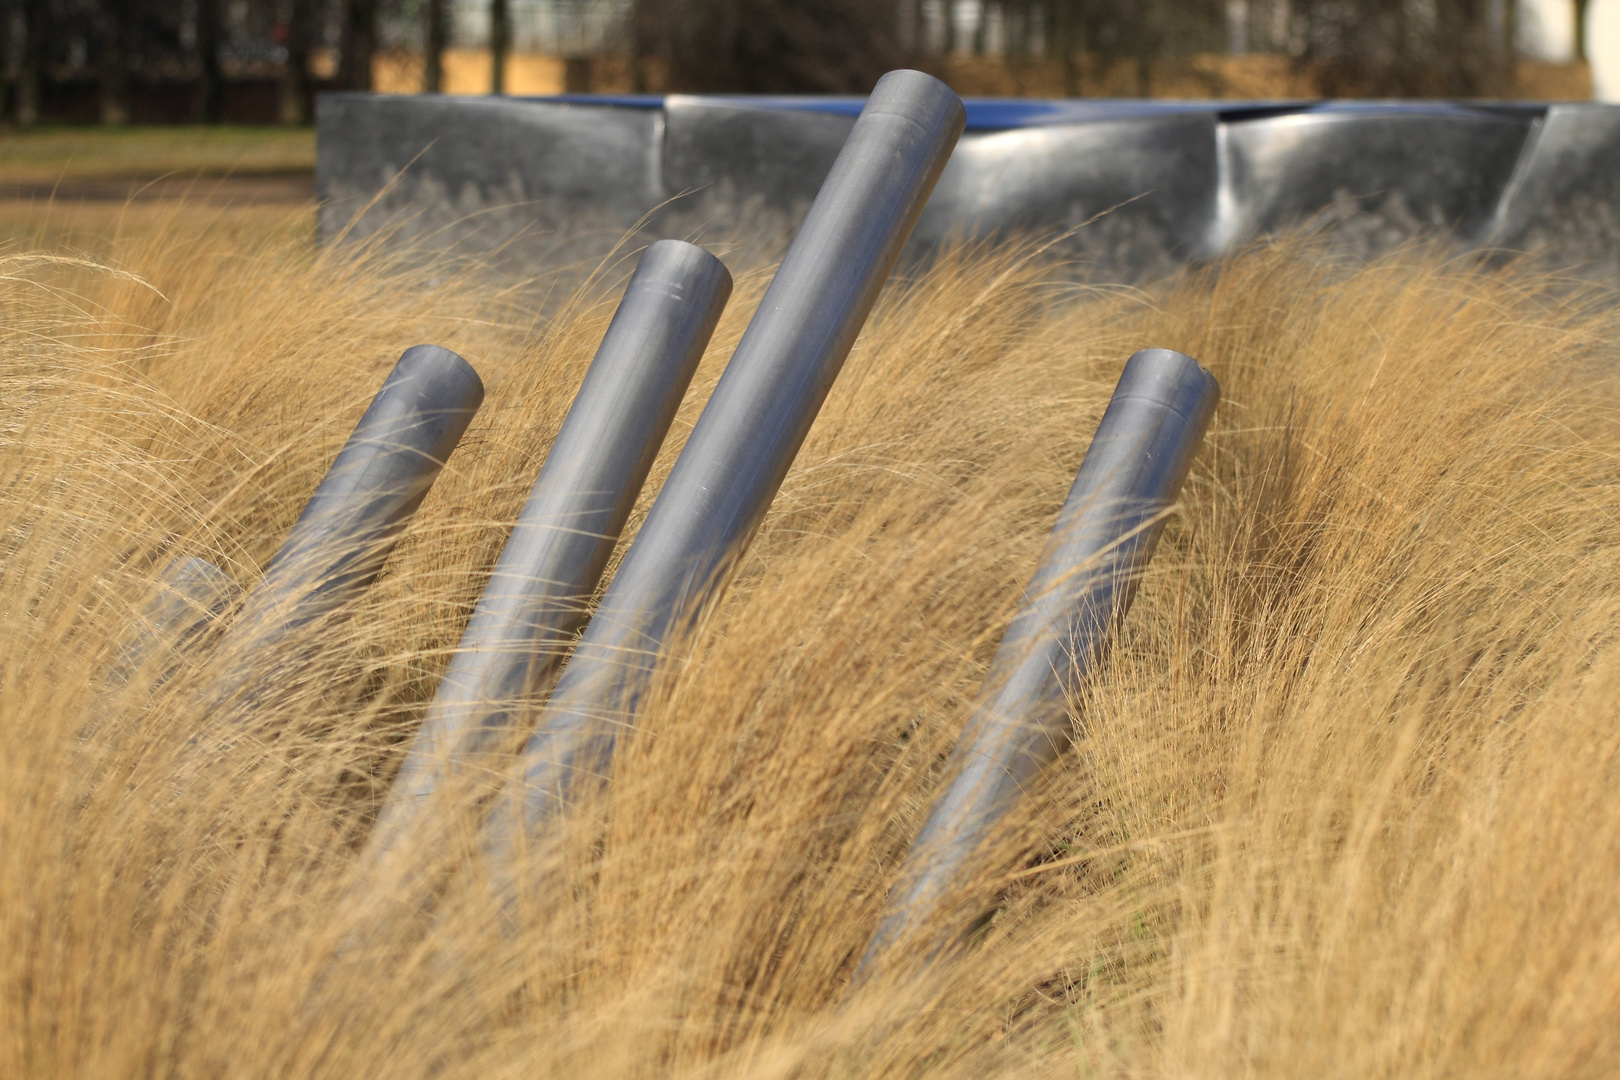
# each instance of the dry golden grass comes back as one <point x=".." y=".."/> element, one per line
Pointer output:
<point x="1345" y="804"/>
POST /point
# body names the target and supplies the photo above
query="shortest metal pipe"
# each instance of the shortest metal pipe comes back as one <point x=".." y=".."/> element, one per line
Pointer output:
<point x="1082" y="587"/>
<point x="537" y="595"/>
<point x="191" y="593"/>
<point x="339" y="543"/>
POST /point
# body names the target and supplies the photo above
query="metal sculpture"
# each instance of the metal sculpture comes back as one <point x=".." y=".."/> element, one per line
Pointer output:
<point x="191" y="593"/>
<point x="339" y="543"/>
<point x="746" y="439"/>
<point x="537" y="596"/>
<point x="1083" y="585"/>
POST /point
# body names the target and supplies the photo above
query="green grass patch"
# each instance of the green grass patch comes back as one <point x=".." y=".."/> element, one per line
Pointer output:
<point x="60" y="153"/>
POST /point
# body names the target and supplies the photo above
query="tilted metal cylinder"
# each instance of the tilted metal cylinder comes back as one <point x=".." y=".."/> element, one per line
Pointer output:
<point x="191" y="593"/>
<point x="194" y="591"/>
<point x="1083" y="585"/>
<point x="339" y="543"/>
<point x="749" y="432"/>
<point x="537" y="596"/>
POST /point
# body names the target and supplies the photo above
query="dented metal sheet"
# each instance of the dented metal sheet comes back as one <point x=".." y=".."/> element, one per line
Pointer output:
<point x="1133" y="187"/>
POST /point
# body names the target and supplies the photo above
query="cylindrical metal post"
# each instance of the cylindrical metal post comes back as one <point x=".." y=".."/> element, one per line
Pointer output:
<point x="1083" y="585"/>
<point x="750" y="430"/>
<point x="339" y="543"/>
<point x="537" y="596"/>
<point x="191" y="593"/>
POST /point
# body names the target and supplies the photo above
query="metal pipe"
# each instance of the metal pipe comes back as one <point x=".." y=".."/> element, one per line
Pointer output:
<point x="339" y="543"/>
<point x="748" y="434"/>
<point x="537" y="596"/>
<point x="191" y="593"/>
<point x="1082" y="587"/>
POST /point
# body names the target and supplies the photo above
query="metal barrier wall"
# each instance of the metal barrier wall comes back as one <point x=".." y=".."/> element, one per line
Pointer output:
<point x="1172" y="180"/>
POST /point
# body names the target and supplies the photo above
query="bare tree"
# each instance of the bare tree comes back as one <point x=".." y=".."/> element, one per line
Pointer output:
<point x="30" y="58"/>
<point x="10" y="16"/>
<point x="1396" y="48"/>
<point x="500" y="43"/>
<point x="111" y="21"/>
<point x="359" y="44"/>
<point x="1120" y="32"/>
<point x="297" y="33"/>
<point x="435" y="41"/>
<point x="208" y="106"/>
<point x="770" y="46"/>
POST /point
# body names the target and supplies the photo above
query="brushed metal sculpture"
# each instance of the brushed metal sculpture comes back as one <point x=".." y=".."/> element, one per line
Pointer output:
<point x="743" y="444"/>
<point x="537" y="596"/>
<point x="1083" y="585"/>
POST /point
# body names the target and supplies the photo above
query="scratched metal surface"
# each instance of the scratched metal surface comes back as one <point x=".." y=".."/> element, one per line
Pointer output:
<point x="1135" y="188"/>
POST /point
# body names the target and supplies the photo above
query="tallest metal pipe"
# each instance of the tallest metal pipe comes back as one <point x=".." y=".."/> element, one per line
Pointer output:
<point x="743" y="444"/>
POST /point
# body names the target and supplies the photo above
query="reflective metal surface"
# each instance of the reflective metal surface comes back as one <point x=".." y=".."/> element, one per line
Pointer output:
<point x="749" y="432"/>
<point x="477" y="171"/>
<point x="339" y="543"/>
<point x="1405" y="171"/>
<point x="1137" y="191"/>
<point x="1562" y="197"/>
<point x="191" y="593"/>
<point x="717" y="154"/>
<point x="537" y="595"/>
<point x="1104" y="537"/>
<point x="1189" y="179"/>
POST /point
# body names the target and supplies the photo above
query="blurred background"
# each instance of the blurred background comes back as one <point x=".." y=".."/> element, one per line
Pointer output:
<point x="116" y="62"/>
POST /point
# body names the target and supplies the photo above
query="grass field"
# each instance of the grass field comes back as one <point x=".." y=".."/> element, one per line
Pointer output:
<point x="93" y="190"/>
<point x="46" y="155"/>
<point x="1341" y="801"/>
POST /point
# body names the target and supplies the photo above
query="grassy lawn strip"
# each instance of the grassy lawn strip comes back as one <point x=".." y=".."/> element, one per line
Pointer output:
<point x="47" y="155"/>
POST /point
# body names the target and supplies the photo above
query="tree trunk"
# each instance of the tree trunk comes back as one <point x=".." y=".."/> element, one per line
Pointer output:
<point x="643" y="41"/>
<point x="33" y="46"/>
<point x="8" y="85"/>
<point x="437" y="39"/>
<point x="294" y="104"/>
<point x="1063" y="41"/>
<point x="359" y="44"/>
<point x="112" y="68"/>
<point x="208" y="106"/>
<point x="500" y="41"/>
